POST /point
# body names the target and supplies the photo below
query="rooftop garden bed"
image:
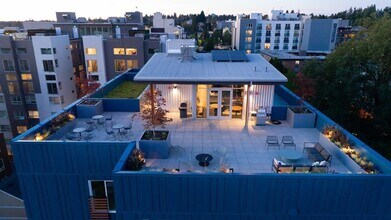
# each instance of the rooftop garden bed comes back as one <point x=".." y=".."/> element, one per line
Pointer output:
<point x="127" y="89"/>
<point x="340" y="140"/>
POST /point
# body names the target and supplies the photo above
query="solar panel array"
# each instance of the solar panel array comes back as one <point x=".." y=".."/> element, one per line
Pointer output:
<point x="229" y="56"/>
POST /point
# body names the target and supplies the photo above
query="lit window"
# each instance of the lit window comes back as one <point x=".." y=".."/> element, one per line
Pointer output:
<point x="46" y="51"/>
<point x="10" y="77"/>
<point x="249" y="32"/>
<point x="13" y="88"/>
<point x="92" y="66"/>
<point x="119" y="51"/>
<point x="267" y="46"/>
<point x="119" y="65"/>
<point x="28" y="87"/>
<point x="131" y="51"/>
<point x="81" y="67"/>
<point x="26" y="76"/>
<point x="54" y="100"/>
<point x="21" y="129"/>
<point x="33" y="114"/>
<point x="91" y="51"/>
<point x="132" y="64"/>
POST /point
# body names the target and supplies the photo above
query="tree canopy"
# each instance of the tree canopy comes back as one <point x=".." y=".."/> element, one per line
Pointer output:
<point x="353" y="84"/>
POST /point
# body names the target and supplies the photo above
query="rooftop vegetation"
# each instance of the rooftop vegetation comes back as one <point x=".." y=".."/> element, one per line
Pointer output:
<point x="127" y="89"/>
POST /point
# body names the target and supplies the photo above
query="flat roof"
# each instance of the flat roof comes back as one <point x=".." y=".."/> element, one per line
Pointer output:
<point x="282" y="55"/>
<point x="169" y="68"/>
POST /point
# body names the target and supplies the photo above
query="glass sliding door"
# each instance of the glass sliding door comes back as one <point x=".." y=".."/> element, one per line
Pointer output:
<point x="213" y="103"/>
<point x="219" y="103"/>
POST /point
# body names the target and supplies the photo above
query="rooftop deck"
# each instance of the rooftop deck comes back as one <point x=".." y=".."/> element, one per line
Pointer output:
<point x="244" y="147"/>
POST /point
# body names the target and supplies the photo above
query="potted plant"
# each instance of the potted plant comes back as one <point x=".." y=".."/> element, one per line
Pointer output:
<point x="300" y="116"/>
<point x="135" y="160"/>
<point x="154" y="143"/>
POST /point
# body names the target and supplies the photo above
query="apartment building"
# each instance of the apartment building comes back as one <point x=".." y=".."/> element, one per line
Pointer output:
<point x="55" y="74"/>
<point x="290" y="32"/>
<point x="111" y="46"/>
<point x="166" y="26"/>
<point x="19" y="84"/>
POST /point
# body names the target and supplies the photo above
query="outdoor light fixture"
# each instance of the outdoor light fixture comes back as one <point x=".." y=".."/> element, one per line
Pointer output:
<point x="231" y="170"/>
<point x="175" y="86"/>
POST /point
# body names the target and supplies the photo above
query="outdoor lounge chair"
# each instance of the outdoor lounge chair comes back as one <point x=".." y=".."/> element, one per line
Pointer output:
<point x="272" y="141"/>
<point x="287" y="141"/>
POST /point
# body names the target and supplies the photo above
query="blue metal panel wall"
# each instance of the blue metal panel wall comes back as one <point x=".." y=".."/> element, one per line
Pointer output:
<point x="268" y="196"/>
<point x="322" y="120"/>
<point x="121" y="105"/>
<point x="54" y="175"/>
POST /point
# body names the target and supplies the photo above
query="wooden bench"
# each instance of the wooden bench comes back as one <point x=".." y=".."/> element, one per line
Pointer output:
<point x="317" y="152"/>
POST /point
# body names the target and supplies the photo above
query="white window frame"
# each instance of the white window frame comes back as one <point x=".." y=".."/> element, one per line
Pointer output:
<point x="90" y="191"/>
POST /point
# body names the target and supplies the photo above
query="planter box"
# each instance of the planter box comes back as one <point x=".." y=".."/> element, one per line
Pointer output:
<point x="300" y="120"/>
<point x="87" y="110"/>
<point x="337" y="153"/>
<point x="156" y="149"/>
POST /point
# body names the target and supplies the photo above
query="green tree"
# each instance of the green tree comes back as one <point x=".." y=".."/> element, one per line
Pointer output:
<point x="227" y="38"/>
<point x="353" y="85"/>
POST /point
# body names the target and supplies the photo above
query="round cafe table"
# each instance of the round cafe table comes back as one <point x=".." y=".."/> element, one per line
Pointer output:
<point x="79" y="130"/>
<point x="290" y="156"/>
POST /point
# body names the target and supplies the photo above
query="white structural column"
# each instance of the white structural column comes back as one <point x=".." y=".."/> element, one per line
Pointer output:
<point x="194" y="101"/>
<point x="248" y="91"/>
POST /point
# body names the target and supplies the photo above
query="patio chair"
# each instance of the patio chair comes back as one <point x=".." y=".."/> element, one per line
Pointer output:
<point x="122" y="133"/>
<point x="272" y="141"/>
<point x="88" y="136"/>
<point x="287" y="141"/>
<point x="90" y="123"/>
<point x="128" y="128"/>
<point x="71" y="136"/>
<point x="109" y="118"/>
<point x="109" y="133"/>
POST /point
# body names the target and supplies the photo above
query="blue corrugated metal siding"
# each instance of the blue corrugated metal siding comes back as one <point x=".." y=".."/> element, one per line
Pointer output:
<point x="54" y="175"/>
<point x="165" y="196"/>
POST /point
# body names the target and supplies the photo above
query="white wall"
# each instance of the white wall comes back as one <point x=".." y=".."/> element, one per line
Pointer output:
<point x="174" y="97"/>
<point x="64" y="73"/>
<point x="262" y="95"/>
<point x="97" y="43"/>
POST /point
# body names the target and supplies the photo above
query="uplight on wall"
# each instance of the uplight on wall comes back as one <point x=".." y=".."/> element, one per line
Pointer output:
<point x="175" y="86"/>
